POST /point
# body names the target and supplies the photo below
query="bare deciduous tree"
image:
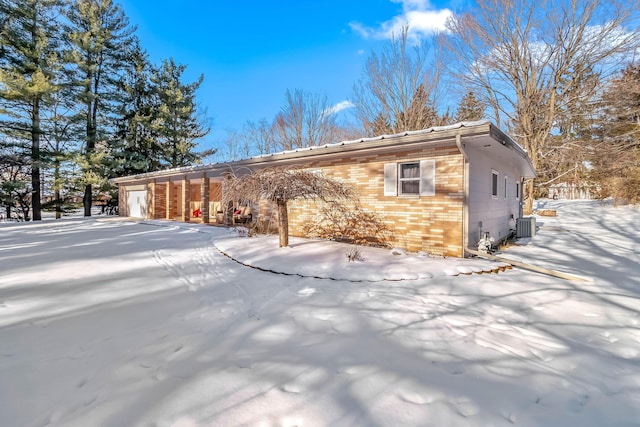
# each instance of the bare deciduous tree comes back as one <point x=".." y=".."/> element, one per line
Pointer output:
<point x="234" y="146"/>
<point x="399" y="88"/>
<point x="281" y="185"/>
<point x="305" y="120"/>
<point x="515" y="54"/>
<point x="260" y="135"/>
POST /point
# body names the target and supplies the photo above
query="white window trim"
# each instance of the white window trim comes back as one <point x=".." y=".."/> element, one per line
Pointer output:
<point x="495" y="175"/>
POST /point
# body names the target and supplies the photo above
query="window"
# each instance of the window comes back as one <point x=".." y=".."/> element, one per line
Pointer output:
<point x="411" y="178"/>
<point x="494" y="183"/>
<point x="517" y="190"/>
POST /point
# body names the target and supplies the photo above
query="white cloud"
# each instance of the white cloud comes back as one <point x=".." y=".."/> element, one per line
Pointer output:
<point x="365" y="32"/>
<point x="423" y="20"/>
<point x="342" y="105"/>
<point x="415" y="4"/>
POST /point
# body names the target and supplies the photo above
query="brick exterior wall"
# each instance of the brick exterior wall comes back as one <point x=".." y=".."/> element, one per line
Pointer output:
<point x="419" y="223"/>
<point x="430" y="223"/>
<point x="160" y="201"/>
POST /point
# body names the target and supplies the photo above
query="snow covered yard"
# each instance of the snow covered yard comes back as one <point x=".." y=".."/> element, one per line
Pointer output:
<point x="116" y="323"/>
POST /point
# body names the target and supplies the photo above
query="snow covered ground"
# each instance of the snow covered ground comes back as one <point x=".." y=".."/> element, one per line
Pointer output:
<point x="108" y="322"/>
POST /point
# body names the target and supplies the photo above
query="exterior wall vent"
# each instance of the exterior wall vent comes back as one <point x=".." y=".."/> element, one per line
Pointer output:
<point x="526" y="227"/>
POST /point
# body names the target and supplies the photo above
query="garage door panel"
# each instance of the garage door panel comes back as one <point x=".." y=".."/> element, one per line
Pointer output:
<point x="137" y="203"/>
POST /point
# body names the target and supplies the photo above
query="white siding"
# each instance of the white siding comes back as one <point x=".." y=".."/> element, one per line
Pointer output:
<point x="488" y="213"/>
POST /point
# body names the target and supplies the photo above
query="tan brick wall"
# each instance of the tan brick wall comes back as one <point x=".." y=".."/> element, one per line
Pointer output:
<point x="419" y="223"/>
<point x="151" y="199"/>
<point x="174" y="202"/>
<point x="161" y="201"/>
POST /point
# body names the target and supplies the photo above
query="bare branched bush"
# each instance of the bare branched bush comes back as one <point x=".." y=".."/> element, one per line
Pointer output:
<point x="280" y="185"/>
<point x="354" y="254"/>
<point x="349" y="222"/>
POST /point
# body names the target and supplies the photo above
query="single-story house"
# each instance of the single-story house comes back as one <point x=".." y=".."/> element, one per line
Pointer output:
<point x="441" y="189"/>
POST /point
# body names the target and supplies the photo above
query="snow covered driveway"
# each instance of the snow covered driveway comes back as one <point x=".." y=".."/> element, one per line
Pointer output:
<point x="116" y="323"/>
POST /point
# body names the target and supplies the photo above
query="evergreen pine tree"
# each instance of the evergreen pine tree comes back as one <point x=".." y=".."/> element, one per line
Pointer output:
<point x="616" y="155"/>
<point x="421" y="113"/>
<point x="569" y="147"/>
<point x="137" y="147"/>
<point x="62" y="124"/>
<point x="381" y="125"/>
<point x="29" y="61"/>
<point x="177" y="124"/>
<point x="98" y="36"/>
<point x="470" y="108"/>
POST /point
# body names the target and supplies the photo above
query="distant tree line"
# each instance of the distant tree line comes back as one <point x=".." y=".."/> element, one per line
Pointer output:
<point x="80" y="103"/>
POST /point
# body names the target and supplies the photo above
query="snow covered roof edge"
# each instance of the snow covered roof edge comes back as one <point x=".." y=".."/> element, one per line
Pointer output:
<point x="433" y="129"/>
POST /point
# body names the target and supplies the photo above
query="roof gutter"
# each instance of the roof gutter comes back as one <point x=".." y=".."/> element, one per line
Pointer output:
<point x="465" y="194"/>
<point x="377" y="144"/>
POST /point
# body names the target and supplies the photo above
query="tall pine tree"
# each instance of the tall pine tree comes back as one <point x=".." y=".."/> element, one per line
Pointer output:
<point x="177" y="123"/>
<point x="616" y="155"/>
<point x="99" y="34"/>
<point x="470" y="108"/>
<point x="29" y="61"/>
<point x="137" y="149"/>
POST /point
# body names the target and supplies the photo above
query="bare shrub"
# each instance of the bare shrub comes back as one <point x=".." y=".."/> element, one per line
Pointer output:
<point x="350" y="223"/>
<point x="354" y="254"/>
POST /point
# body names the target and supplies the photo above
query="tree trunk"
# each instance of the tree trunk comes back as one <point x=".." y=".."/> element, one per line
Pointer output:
<point x="56" y="180"/>
<point x="527" y="207"/>
<point x="91" y="144"/>
<point x="87" y="199"/>
<point x="35" y="161"/>
<point x="283" y="223"/>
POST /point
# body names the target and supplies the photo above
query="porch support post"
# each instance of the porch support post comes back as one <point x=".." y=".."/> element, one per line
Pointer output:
<point x="204" y="197"/>
<point x="151" y="199"/>
<point x="186" y="199"/>
<point x="167" y="201"/>
<point x="123" y="204"/>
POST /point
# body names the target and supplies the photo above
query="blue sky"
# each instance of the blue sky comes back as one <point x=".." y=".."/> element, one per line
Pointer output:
<point x="252" y="51"/>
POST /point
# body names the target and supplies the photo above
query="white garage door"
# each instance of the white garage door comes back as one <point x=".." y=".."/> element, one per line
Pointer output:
<point x="137" y="203"/>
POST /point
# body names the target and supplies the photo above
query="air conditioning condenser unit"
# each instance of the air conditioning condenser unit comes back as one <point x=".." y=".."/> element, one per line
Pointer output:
<point x="526" y="227"/>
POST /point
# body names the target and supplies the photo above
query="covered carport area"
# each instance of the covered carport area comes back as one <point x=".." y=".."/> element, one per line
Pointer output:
<point x="187" y="197"/>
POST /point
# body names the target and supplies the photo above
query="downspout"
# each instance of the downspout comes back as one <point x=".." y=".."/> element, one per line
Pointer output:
<point x="465" y="193"/>
<point x="521" y="199"/>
